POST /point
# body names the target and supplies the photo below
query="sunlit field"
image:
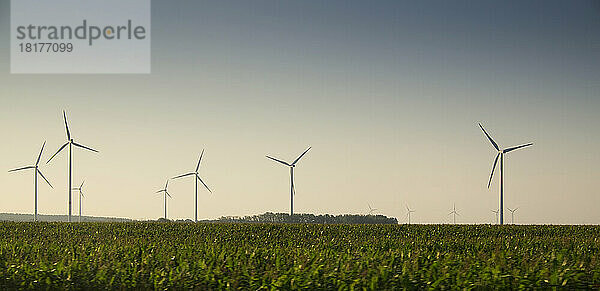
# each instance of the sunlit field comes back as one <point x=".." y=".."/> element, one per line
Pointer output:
<point x="265" y="256"/>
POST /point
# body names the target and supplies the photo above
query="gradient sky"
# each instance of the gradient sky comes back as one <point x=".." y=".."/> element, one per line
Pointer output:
<point x="387" y="93"/>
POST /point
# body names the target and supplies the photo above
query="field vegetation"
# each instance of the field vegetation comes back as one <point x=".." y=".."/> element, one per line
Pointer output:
<point x="295" y="256"/>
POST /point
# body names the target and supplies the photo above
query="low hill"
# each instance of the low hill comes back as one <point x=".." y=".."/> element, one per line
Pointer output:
<point x="268" y="217"/>
<point x="57" y="218"/>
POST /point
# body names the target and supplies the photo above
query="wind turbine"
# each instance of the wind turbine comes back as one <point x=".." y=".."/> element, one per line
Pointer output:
<point x="35" y="174"/>
<point x="70" y="143"/>
<point x="454" y="212"/>
<point x="291" y="166"/>
<point x="80" y="189"/>
<point x="500" y="156"/>
<point x="195" y="174"/>
<point x="496" y="212"/>
<point x="371" y="210"/>
<point x="166" y="193"/>
<point x="512" y="214"/>
<point x="408" y="213"/>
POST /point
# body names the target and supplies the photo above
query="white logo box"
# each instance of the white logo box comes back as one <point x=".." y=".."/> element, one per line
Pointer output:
<point x="119" y="32"/>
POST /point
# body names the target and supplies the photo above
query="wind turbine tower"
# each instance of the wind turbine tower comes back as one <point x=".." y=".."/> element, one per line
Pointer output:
<point x="512" y="214"/>
<point x="196" y="179"/>
<point x="371" y="209"/>
<point x="80" y="189"/>
<point x="166" y="193"/>
<point x="496" y="212"/>
<point x="70" y="143"/>
<point x="454" y="212"/>
<point x="500" y="156"/>
<point x="36" y="171"/>
<point x="408" y="213"/>
<point x="291" y="166"/>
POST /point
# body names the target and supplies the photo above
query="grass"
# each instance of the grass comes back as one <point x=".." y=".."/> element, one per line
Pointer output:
<point x="298" y="256"/>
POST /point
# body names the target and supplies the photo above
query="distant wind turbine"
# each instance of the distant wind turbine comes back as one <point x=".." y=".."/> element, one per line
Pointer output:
<point x="291" y="166"/>
<point x="36" y="171"/>
<point x="454" y="212"/>
<point x="80" y="189"/>
<point x="70" y="143"/>
<point x="512" y="214"/>
<point x="496" y="212"/>
<point x="166" y="193"/>
<point x="408" y="213"/>
<point x="371" y="210"/>
<point x="500" y="156"/>
<point x="196" y="179"/>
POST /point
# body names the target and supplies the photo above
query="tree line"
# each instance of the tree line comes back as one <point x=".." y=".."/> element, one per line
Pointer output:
<point x="270" y="217"/>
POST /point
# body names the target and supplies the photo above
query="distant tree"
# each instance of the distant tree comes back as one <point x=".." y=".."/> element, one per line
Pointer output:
<point x="270" y="217"/>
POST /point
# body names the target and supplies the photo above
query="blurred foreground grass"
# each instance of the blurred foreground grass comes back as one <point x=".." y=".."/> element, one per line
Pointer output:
<point x="278" y="256"/>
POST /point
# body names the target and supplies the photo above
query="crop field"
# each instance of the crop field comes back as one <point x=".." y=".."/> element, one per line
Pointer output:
<point x="294" y="256"/>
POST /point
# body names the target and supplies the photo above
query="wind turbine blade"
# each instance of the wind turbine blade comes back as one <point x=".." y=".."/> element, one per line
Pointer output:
<point x="40" y="172"/>
<point x="66" y="125"/>
<point x="168" y="194"/>
<point x="20" y="169"/>
<point x="40" y="155"/>
<point x="81" y="186"/>
<point x="490" y="138"/>
<point x="159" y="191"/>
<point x="203" y="183"/>
<point x="84" y="147"/>
<point x="516" y="148"/>
<point x="184" y="175"/>
<point x="167" y="184"/>
<point x="297" y="159"/>
<point x="274" y="159"/>
<point x="200" y="159"/>
<point x="60" y="149"/>
<point x="493" y="168"/>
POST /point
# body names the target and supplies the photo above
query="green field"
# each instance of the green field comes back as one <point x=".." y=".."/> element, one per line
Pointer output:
<point x="278" y="256"/>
